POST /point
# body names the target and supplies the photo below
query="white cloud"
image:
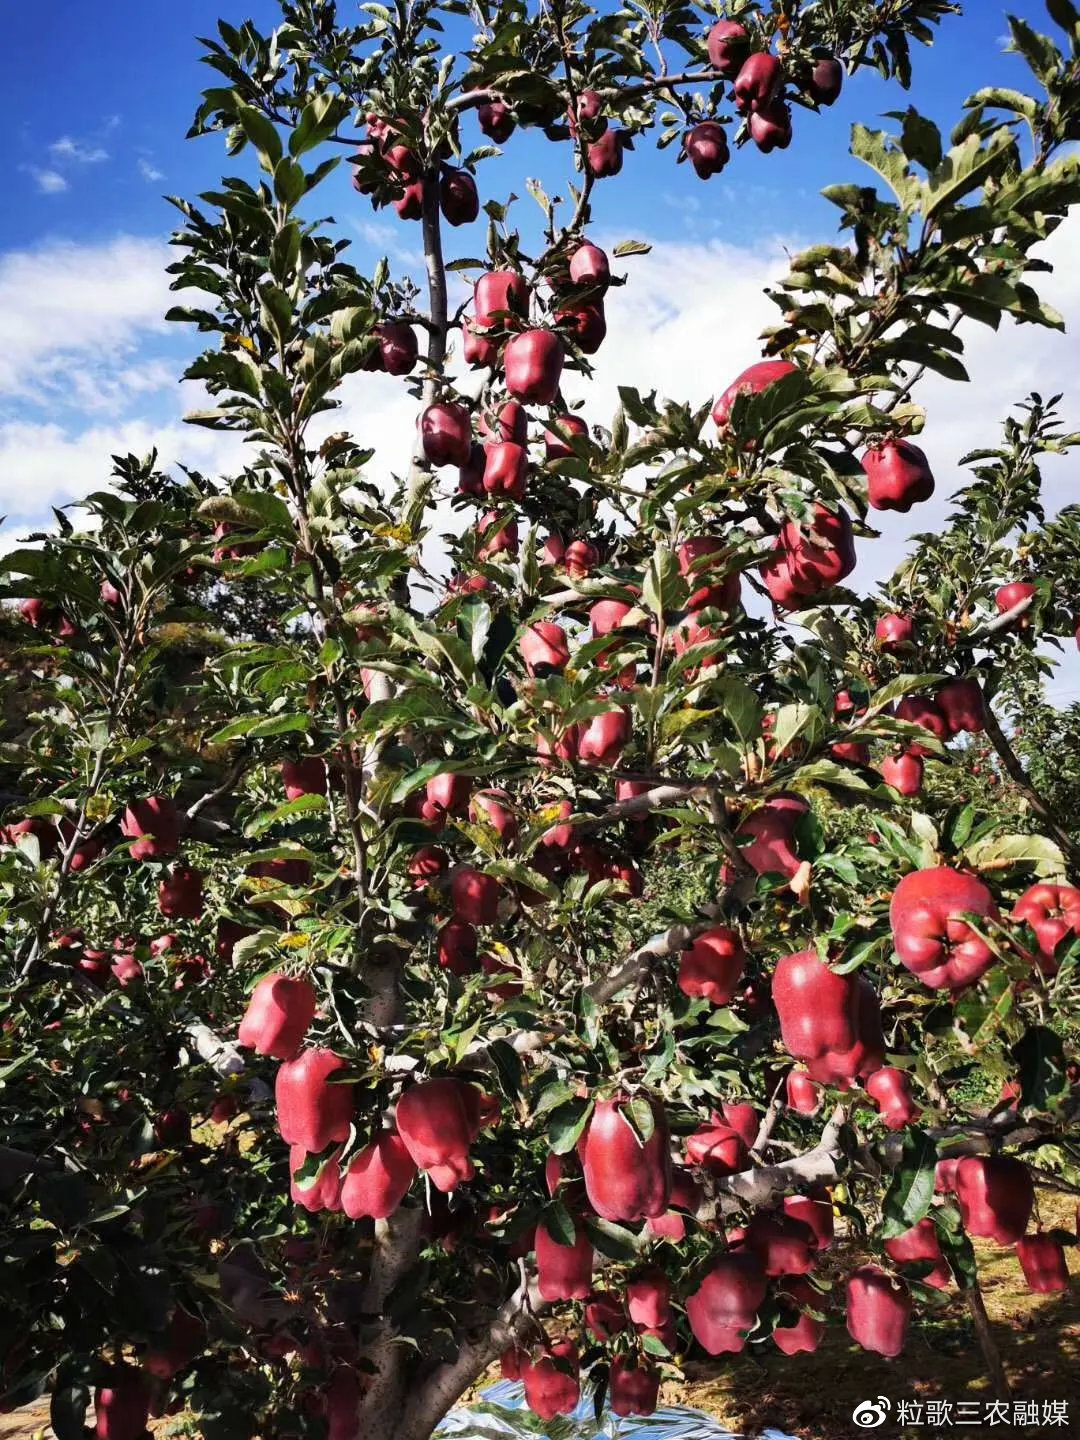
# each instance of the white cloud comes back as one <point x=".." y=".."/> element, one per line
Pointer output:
<point x="76" y="152"/>
<point x="149" y="171"/>
<point x="48" y="182"/>
<point x="69" y="312"/>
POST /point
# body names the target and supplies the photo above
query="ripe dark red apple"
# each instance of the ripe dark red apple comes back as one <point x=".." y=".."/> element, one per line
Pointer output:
<point x="398" y="348"/>
<point x="410" y="203"/>
<point x="831" y="1022"/>
<point x="544" y="646"/>
<point x="1015" y="593"/>
<point x="728" y="44"/>
<point x="311" y="1111"/>
<point x="445" y="794"/>
<point x="1042" y="1259"/>
<point x="505" y="466"/>
<point x="894" y="632"/>
<point x="503" y="536"/>
<point x="475" y="896"/>
<point x="605" y="156"/>
<point x="481" y="352"/>
<point x="996" y="1195"/>
<point x="496" y="120"/>
<point x="605" y="737"/>
<point x="931" y="939"/>
<point x="752" y="381"/>
<point x="704" y="558"/>
<point x="500" y="297"/>
<point x="772" y="832"/>
<point x="770" y="127"/>
<point x="305" y="776"/>
<point x="555" y="446"/>
<point x="898" y="475"/>
<point x="122" y="1404"/>
<point x="180" y="894"/>
<point x="718" y="1148"/>
<point x="580" y="559"/>
<point x="551" y="1380"/>
<point x="278" y="1015"/>
<point x="724" y="1307"/>
<point x="783" y="1246"/>
<point x="586" y="325"/>
<point x="1053" y="912"/>
<point x="890" y="1089"/>
<point x="922" y="711"/>
<point x="110" y="595"/>
<point x="563" y="1272"/>
<point x="154" y="825"/>
<point x="446" y="433"/>
<point x="904" y="772"/>
<point x="427" y="864"/>
<point x="758" y="83"/>
<point x="471" y="474"/>
<point x="589" y="266"/>
<point x="878" y="1310"/>
<point x="961" y="702"/>
<point x="806" y="1334"/>
<point x="809" y="560"/>
<point x="456" y="947"/>
<point x="706" y="147"/>
<point x="625" y="1179"/>
<point x="713" y="965"/>
<point x="634" y="1385"/>
<point x="438" y="1120"/>
<point x="920" y="1244"/>
<point x="826" y="80"/>
<point x="458" y="200"/>
<point x="532" y="364"/>
<point x="815" y="1213"/>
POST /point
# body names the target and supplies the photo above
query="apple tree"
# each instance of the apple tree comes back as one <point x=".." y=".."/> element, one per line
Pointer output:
<point x="531" y="941"/>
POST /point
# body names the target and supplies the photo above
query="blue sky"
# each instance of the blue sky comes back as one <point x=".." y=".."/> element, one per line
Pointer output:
<point x="99" y="98"/>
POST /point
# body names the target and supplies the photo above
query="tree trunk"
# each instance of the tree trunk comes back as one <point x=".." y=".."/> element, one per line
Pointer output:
<point x="987" y="1344"/>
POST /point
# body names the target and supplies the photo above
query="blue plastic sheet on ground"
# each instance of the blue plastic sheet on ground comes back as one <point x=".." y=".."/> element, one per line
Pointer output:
<point x="500" y="1413"/>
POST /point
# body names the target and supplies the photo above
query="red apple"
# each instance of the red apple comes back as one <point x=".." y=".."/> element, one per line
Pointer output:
<point x="586" y="325"/>
<point x="961" y="702"/>
<point x="504" y="536"/>
<point x="931" y="938"/>
<point x="826" y="80"/>
<point x="605" y="156"/>
<point x="890" y="1090"/>
<point x="898" y="475"/>
<point x="533" y="363"/>
<point x="458" y="200"/>
<point x="759" y="83"/>
<point x="904" y="772"/>
<point x="770" y="127"/>
<point x="398" y="347"/>
<point x="555" y="446"/>
<point x="728" y="44"/>
<point x="544" y="646"/>
<point x="1015" y="594"/>
<point x="706" y="147"/>
<point x="751" y="382"/>
<point x="894" y="632"/>
<point x="589" y="266"/>
<point x="922" y="711"/>
<point x="500" y="297"/>
<point x="505" y="464"/>
<point x="496" y="120"/>
<point x="446" y="433"/>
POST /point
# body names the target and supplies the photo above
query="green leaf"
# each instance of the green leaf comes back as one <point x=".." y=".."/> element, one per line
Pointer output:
<point x="289" y="181"/>
<point x="566" y="1124"/>
<point x="556" y="1220"/>
<point x="920" y="139"/>
<point x="1040" y="1056"/>
<point x="638" y="1114"/>
<point x="875" y="149"/>
<point x="741" y="706"/>
<point x="614" y="1241"/>
<point x="261" y="133"/>
<point x="665" y="590"/>
<point x="791" y="721"/>
<point x="911" y="1189"/>
<point x="302" y="805"/>
<point x="898" y="688"/>
<point x="965" y="168"/>
<point x="1036" y="850"/>
<point x="1039" y="51"/>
